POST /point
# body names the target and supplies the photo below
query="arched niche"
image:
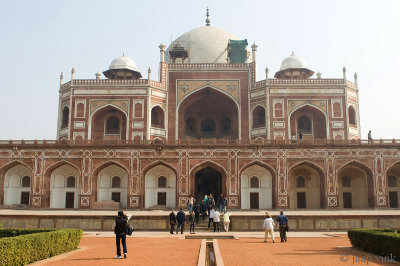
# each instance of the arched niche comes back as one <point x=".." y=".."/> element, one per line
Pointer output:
<point x="393" y="185"/>
<point x="16" y="190"/>
<point x="108" y="123"/>
<point x="310" y="121"/>
<point x="65" y="117"/>
<point x="157" y="117"/>
<point x="256" y="187"/>
<point x="258" y="115"/>
<point x="355" y="187"/>
<point x="156" y="194"/>
<point x="63" y="192"/>
<point x="306" y="187"/>
<point x="105" y="189"/>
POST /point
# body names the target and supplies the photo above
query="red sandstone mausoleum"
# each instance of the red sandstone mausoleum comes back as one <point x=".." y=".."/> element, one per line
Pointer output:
<point x="206" y="124"/>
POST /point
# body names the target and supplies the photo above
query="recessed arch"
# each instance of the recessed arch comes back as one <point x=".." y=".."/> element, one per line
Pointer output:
<point x="392" y="176"/>
<point x="361" y="192"/>
<point x="13" y="184"/>
<point x="313" y="194"/>
<point x="61" y="193"/>
<point x="210" y="165"/>
<point x="110" y="106"/>
<point x="156" y="195"/>
<point x="258" y="114"/>
<point x="319" y="121"/>
<point x="46" y="202"/>
<point x="257" y="186"/>
<point x="102" y="181"/>
<point x="157" y="114"/>
<point x="208" y="103"/>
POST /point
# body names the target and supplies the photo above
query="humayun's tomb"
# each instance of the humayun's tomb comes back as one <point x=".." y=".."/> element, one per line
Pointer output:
<point x="205" y="125"/>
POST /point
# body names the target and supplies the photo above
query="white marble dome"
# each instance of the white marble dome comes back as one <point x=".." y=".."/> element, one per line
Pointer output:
<point x="123" y="62"/>
<point x="205" y="45"/>
<point x="293" y="61"/>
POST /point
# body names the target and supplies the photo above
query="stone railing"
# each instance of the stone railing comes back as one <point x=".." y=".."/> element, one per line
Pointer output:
<point x="209" y="66"/>
<point x="198" y="142"/>
<point x="263" y="83"/>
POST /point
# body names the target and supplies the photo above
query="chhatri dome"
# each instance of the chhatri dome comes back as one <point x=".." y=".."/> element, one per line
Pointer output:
<point x="294" y="67"/>
<point x="122" y="67"/>
<point x="205" y="44"/>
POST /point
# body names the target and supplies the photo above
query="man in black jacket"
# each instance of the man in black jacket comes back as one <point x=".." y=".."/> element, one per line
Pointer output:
<point x="119" y="230"/>
<point x="172" y="221"/>
<point x="181" y="218"/>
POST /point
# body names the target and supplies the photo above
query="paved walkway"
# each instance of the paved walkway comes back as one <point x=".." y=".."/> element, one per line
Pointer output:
<point x="161" y="248"/>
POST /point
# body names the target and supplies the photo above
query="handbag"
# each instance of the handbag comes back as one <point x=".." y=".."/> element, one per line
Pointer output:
<point x="287" y="228"/>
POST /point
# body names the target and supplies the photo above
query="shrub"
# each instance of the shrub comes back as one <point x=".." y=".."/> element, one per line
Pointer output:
<point x="384" y="242"/>
<point x="25" y="248"/>
<point x="19" y="231"/>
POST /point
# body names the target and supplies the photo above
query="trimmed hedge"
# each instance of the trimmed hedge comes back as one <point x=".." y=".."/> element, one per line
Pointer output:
<point x="20" y="231"/>
<point x="384" y="242"/>
<point x="33" y="246"/>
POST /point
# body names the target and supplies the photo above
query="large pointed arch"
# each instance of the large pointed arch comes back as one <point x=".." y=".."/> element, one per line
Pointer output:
<point x="208" y="103"/>
<point x="370" y="190"/>
<point x="152" y="192"/>
<point x="208" y="164"/>
<point x="101" y="109"/>
<point x="262" y="192"/>
<point x="47" y="178"/>
<point x="104" y="194"/>
<point x="295" y="172"/>
<point x="292" y="128"/>
<point x="3" y="171"/>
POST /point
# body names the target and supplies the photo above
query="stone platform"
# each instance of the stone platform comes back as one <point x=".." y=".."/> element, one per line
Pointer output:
<point x="157" y="220"/>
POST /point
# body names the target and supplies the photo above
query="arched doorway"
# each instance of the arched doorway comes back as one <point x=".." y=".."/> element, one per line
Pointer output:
<point x="208" y="113"/>
<point x="207" y="181"/>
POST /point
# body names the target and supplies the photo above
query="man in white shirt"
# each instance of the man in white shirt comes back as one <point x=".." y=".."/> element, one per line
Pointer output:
<point x="269" y="228"/>
<point x="210" y="217"/>
<point x="216" y="220"/>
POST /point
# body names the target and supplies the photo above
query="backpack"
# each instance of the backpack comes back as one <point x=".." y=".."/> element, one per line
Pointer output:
<point x="128" y="229"/>
<point x="120" y="225"/>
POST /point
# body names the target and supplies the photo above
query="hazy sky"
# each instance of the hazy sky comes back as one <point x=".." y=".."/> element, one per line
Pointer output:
<point x="41" y="39"/>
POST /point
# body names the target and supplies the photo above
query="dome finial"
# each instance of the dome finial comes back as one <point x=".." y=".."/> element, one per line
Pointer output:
<point x="207" y="20"/>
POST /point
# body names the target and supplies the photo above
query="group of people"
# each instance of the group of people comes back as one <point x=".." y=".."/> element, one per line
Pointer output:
<point x="269" y="223"/>
<point x="121" y="224"/>
<point x="205" y="208"/>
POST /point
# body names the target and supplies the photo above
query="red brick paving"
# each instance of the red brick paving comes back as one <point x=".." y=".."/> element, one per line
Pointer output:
<point x="246" y="251"/>
<point x="297" y="251"/>
<point x="141" y="251"/>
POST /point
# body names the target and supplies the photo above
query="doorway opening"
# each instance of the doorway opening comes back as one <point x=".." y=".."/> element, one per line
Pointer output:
<point x="116" y="196"/>
<point x="208" y="180"/>
<point x="162" y="198"/>
<point x="25" y="198"/>
<point x="347" y="202"/>
<point x="393" y="200"/>
<point x="69" y="200"/>
<point x="254" y="200"/>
